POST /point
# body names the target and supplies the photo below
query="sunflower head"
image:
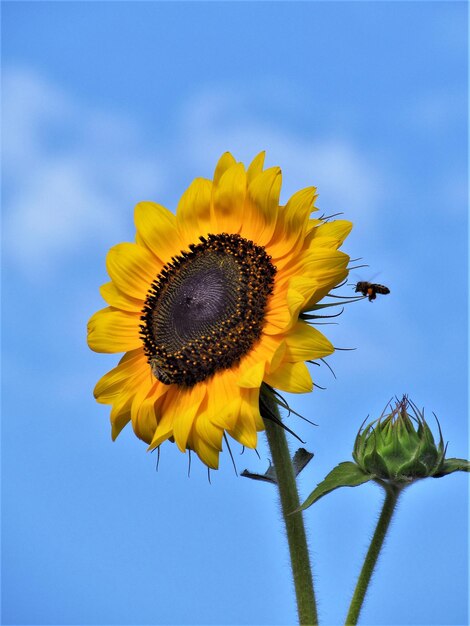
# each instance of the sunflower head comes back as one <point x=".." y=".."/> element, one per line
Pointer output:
<point x="206" y="304"/>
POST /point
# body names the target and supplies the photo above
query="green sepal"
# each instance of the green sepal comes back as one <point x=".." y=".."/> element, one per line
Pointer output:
<point x="268" y="477"/>
<point x="346" y="474"/>
<point x="300" y="460"/>
<point x="453" y="465"/>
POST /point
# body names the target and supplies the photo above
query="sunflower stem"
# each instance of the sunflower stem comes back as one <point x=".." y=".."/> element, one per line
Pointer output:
<point x="289" y="497"/>
<point x="388" y="508"/>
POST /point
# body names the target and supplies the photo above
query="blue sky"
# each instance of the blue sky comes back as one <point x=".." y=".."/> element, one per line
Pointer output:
<point x="107" y="104"/>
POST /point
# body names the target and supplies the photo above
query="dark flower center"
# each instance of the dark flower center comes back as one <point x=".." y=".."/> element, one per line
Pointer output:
<point x="205" y="309"/>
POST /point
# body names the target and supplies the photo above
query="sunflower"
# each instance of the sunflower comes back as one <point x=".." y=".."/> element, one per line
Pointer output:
<point x="206" y="304"/>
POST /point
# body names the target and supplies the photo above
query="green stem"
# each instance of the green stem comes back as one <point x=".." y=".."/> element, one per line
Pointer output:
<point x="287" y="485"/>
<point x="390" y="502"/>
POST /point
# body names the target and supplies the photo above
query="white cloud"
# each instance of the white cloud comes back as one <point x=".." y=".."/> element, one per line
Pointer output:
<point x="438" y="112"/>
<point x="67" y="168"/>
<point x="73" y="172"/>
<point x="347" y="180"/>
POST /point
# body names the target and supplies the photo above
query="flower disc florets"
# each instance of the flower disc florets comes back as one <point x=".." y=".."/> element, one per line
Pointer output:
<point x="399" y="447"/>
<point x="205" y="309"/>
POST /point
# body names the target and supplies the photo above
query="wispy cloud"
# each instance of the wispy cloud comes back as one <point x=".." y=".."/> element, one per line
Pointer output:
<point x="438" y="112"/>
<point x="347" y="179"/>
<point x="72" y="171"/>
<point x="67" y="169"/>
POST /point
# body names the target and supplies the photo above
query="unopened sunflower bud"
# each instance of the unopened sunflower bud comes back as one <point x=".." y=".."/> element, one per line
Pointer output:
<point x="393" y="451"/>
<point x="399" y="447"/>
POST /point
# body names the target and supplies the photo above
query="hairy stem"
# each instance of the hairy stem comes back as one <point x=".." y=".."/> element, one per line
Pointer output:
<point x="287" y="485"/>
<point x="372" y="555"/>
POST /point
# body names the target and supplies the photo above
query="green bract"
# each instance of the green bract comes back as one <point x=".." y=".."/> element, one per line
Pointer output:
<point x="399" y="447"/>
<point x="392" y="451"/>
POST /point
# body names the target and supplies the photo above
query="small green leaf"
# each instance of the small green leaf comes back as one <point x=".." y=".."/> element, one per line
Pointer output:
<point x="345" y="474"/>
<point x="453" y="465"/>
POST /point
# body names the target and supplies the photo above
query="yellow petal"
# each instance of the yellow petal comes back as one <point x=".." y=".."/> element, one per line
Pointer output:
<point x="164" y="428"/>
<point x="295" y="302"/>
<point x="320" y="263"/>
<point x="278" y="357"/>
<point x="122" y="403"/>
<point x="263" y="356"/>
<point x="314" y="223"/>
<point x="185" y="409"/>
<point x="291" y="377"/>
<point x="324" y="261"/>
<point x="145" y="410"/>
<point x="283" y="246"/>
<point x="225" y="161"/>
<point x="293" y="221"/>
<point x="132" y="364"/>
<point x="111" y="330"/>
<point x="245" y="429"/>
<point x="144" y="421"/>
<point x="207" y="453"/>
<point x="157" y="228"/>
<point x="120" y="415"/>
<point x="208" y="431"/>
<point x="293" y="224"/>
<point x="193" y="215"/>
<point x="118" y="299"/>
<point x="224" y="399"/>
<point x="255" y="167"/>
<point x="227" y="416"/>
<point x="306" y="286"/>
<point x="291" y="229"/>
<point x="329" y="268"/>
<point x="300" y="206"/>
<point x="160" y="435"/>
<point x="141" y="392"/>
<point x="121" y="412"/>
<point x="263" y="205"/>
<point x="305" y="343"/>
<point x="132" y="269"/>
<point x="325" y="287"/>
<point x="253" y="377"/>
<point x="245" y="432"/>
<point x="330" y="234"/>
<point x="264" y="190"/>
<point x="277" y="316"/>
<point x="301" y="291"/>
<point x="229" y="199"/>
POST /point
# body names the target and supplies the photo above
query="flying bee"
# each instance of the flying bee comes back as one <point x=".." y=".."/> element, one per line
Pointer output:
<point x="371" y="289"/>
